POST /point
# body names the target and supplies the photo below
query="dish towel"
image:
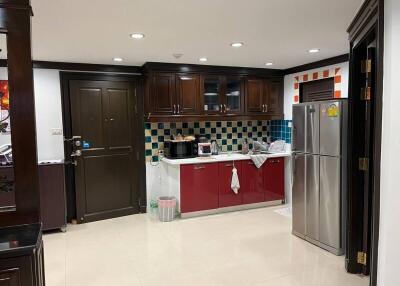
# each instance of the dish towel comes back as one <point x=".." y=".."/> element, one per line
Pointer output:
<point x="259" y="160"/>
<point x="235" y="184"/>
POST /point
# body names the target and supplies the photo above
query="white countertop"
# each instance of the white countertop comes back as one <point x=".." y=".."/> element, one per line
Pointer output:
<point x="218" y="158"/>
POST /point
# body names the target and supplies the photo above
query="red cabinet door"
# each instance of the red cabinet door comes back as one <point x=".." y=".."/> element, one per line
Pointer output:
<point x="227" y="197"/>
<point x="274" y="179"/>
<point x="199" y="187"/>
<point x="252" y="183"/>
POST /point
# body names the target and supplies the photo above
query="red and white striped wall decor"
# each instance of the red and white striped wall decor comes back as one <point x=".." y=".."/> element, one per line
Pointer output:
<point x="334" y="72"/>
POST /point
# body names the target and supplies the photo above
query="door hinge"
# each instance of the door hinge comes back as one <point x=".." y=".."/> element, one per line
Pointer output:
<point x="362" y="258"/>
<point x="366" y="93"/>
<point x="366" y="66"/>
<point x="363" y="164"/>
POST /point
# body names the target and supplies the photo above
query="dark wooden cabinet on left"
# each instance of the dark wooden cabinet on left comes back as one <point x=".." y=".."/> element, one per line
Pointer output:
<point x="21" y="256"/>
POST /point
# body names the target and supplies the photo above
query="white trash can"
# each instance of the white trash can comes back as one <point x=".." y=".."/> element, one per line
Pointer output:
<point x="166" y="208"/>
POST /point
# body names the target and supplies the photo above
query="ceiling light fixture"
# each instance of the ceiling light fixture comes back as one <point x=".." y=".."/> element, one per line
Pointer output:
<point x="237" y="44"/>
<point x="137" y="36"/>
<point x="313" y="51"/>
<point x="269" y="64"/>
<point x="117" y="59"/>
<point x="203" y="60"/>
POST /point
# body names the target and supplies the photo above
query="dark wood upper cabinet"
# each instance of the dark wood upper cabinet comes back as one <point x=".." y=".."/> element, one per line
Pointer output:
<point x="188" y="94"/>
<point x="274" y="101"/>
<point x="255" y="95"/>
<point x="264" y="96"/>
<point x="175" y="93"/>
<point x="162" y="94"/>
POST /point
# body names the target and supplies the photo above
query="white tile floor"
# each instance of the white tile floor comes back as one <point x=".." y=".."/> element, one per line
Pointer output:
<point x="252" y="248"/>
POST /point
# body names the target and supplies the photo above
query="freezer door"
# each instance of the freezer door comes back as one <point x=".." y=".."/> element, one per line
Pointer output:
<point x="330" y="127"/>
<point x="330" y="198"/>
<point x="298" y="194"/>
<point x="299" y="130"/>
<point x="312" y="196"/>
<point x="312" y="128"/>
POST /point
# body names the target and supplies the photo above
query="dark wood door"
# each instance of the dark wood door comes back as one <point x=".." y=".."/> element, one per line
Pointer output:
<point x="255" y="96"/>
<point x="274" y="97"/>
<point x="105" y="177"/>
<point x="163" y="94"/>
<point x="188" y="94"/>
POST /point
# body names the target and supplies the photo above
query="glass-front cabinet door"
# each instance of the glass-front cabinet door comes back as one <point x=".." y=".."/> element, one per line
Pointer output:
<point x="211" y="94"/>
<point x="233" y="95"/>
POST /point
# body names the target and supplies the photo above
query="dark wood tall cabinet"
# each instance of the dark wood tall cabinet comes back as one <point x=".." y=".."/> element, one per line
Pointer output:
<point x="264" y="96"/>
<point x="21" y="246"/>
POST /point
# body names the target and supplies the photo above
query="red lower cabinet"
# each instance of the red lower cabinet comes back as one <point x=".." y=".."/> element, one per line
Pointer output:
<point x="252" y="183"/>
<point x="199" y="187"/>
<point x="227" y="197"/>
<point x="274" y="179"/>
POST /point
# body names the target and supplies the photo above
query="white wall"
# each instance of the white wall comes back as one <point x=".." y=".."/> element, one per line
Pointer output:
<point x="289" y="90"/>
<point x="48" y="114"/>
<point x="389" y="230"/>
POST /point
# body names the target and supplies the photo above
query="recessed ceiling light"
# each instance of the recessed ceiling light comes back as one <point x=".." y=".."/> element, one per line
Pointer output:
<point x="237" y="44"/>
<point x="137" y="36"/>
<point x="269" y="64"/>
<point x="203" y="60"/>
<point x="313" y="51"/>
<point x="117" y="59"/>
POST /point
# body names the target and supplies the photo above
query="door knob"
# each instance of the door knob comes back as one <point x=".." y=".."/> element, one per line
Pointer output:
<point x="77" y="153"/>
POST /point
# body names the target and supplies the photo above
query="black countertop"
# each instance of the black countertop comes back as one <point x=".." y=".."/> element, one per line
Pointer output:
<point x="19" y="240"/>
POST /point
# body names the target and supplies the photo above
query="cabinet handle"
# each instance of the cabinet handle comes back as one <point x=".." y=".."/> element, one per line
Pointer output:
<point x="178" y="109"/>
<point x="250" y="163"/>
<point x="228" y="165"/>
<point x="174" y="109"/>
<point x="221" y="108"/>
<point x="266" y="108"/>
<point x="225" y="107"/>
<point x="263" y="108"/>
<point x="199" y="167"/>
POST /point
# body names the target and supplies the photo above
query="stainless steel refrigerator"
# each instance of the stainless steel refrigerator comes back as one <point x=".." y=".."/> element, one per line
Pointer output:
<point x="319" y="173"/>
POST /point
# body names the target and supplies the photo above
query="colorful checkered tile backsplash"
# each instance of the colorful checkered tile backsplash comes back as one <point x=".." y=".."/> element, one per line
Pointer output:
<point x="229" y="134"/>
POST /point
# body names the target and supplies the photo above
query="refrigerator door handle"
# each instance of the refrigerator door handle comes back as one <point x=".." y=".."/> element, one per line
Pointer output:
<point x="294" y="135"/>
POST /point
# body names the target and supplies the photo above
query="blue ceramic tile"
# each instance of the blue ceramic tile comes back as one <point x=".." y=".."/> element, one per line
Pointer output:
<point x="147" y="125"/>
<point x="153" y="132"/>
<point x="223" y="129"/>
<point x="167" y="132"/>
<point x="213" y="130"/>
<point x="160" y="125"/>
<point x="208" y="124"/>
<point x="229" y="123"/>
<point x="148" y="139"/>
<point x="154" y="158"/>
<point x="219" y="124"/>
<point x="234" y="130"/>
<point x="229" y="135"/>
<point x="202" y="131"/>
<point x="185" y="125"/>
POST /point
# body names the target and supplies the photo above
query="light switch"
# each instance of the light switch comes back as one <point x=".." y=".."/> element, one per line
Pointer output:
<point x="56" y="131"/>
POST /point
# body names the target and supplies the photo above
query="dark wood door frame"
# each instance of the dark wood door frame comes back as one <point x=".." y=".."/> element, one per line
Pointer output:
<point x="368" y="21"/>
<point x="65" y="78"/>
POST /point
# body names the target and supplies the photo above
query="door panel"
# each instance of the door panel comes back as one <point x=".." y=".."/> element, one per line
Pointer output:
<point x="233" y="95"/>
<point x="274" y="179"/>
<point x="299" y="128"/>
<point x="211" y="94"/>
<point x="312" y="126"/>
<point x="329" y="225"/>
<point x="163" y="96"/>
<point x="188" y="91"/>
<point x="312" y="196"/>
<point x="119" y="118"/>
<point x="253" y="183"/>
<point x="89" y="103"/>
<point x="105" y="179"/>
<point x="299" y="194"/>
<point x="255" y="95"/>
<point x="227" y="197"/>
<point x="199" y="187"/>
<point x="330" y="123"/>
<point x="274" y="97"/>
<point x="108" y="183"/>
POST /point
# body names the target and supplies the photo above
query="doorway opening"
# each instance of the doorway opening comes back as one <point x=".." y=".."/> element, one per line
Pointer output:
<point x="104" y="152"/>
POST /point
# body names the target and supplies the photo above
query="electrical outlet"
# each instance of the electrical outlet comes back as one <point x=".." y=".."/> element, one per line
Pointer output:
<point x="56" y="131"/>
<point x="290" y="124"/>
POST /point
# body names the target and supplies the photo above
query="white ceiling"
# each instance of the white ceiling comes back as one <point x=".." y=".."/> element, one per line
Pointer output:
<point x="282" y="31"/>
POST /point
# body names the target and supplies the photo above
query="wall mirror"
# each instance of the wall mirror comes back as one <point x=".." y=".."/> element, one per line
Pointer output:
<point x="7" y="190"/>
